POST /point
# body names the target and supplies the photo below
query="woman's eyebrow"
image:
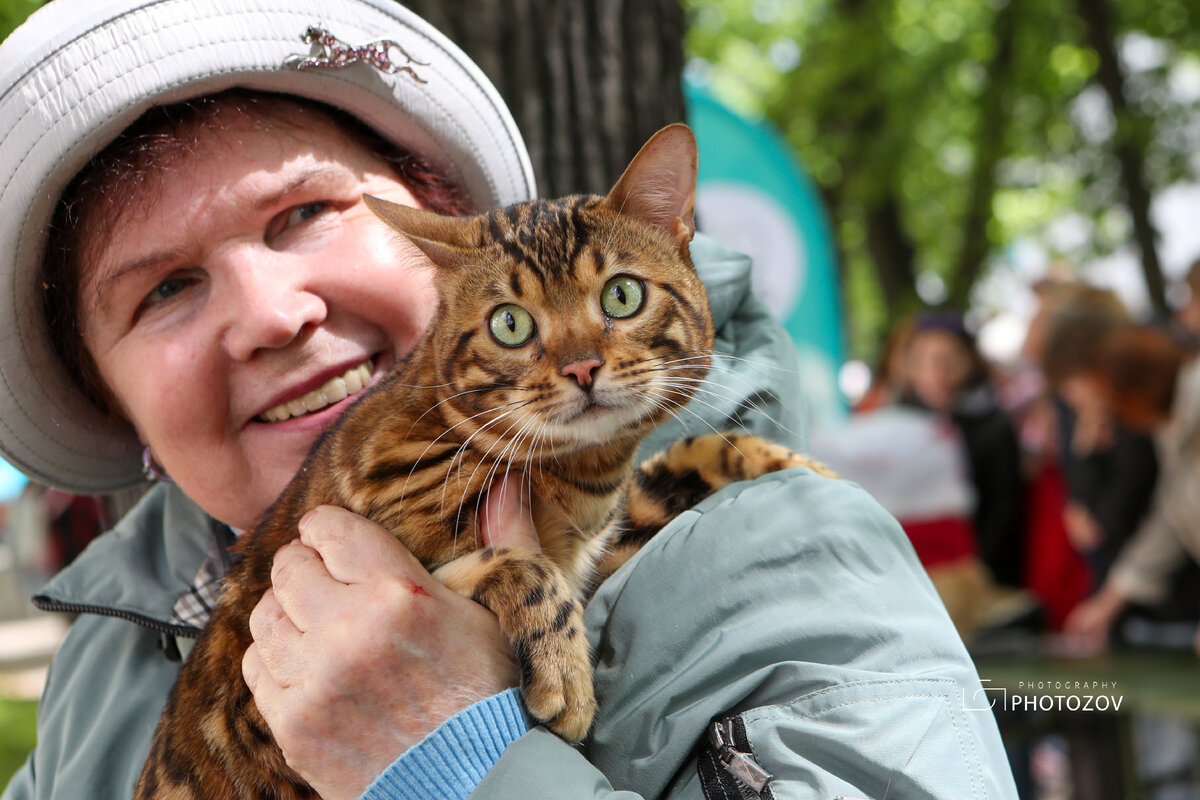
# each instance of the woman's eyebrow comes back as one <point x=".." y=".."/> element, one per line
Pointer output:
<point x="108" y="277"/>
<point x="298" y="182"/>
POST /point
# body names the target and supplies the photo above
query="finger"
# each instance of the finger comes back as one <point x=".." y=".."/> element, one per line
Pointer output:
<point x="278" y="639"/>
<point x="506" y="520"/>
<point x="268" y="695"/>
<point x="356" y="550"/>
<point x="302" y="584"/>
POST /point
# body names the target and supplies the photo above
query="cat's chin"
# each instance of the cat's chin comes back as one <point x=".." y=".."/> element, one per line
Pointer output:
<point x="597" y="424"/>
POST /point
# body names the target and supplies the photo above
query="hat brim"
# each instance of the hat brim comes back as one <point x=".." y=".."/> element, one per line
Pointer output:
<point x="79" y="71"/>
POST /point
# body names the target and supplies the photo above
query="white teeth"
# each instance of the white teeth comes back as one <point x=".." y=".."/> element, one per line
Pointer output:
<point x="336" y="389"/>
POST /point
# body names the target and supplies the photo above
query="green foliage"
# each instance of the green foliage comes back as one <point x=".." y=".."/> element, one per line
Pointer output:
<point x="18" y="732"/>
<point x="13" y="13"/>
<point x="943" y="131"/>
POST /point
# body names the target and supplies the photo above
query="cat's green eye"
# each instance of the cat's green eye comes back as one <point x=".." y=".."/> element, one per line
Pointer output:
<point x="622" y="297"/>
<point x="511" y="325"/>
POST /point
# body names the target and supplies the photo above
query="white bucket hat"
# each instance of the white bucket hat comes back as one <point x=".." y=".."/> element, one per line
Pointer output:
<point x="79" y="71"/>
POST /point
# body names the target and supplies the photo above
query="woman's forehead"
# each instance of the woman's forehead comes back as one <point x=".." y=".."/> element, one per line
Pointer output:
<point x="250" y="162"/>
<point x="230" y="176"/>
<point x="257" y="136"/>
<point x="169" y="139"/>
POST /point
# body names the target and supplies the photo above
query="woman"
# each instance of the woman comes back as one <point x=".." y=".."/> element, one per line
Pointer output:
<point x="947" y="375"/>
<point x="1152" y="386"/>
<point x="1110" y="470"/>
<point x="239" y="271"/>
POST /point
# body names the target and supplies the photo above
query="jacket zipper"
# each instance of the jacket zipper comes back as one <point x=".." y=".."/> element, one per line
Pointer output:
<point x="728" y="769"/>
<point x="50" y="604"/>
<point x="166" y="631"/>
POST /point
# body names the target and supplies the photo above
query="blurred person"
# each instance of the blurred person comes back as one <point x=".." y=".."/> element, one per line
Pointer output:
<point x="1055" y="571"/>
<point x="1109" y="469"/>
<point x="1153" y="386"/>
<point x="947" y="374"/>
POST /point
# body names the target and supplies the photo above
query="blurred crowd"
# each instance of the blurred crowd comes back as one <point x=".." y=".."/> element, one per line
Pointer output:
<point x="1060" y="493"/>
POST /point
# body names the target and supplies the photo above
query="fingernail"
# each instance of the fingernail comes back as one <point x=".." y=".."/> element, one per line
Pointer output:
<point x="307" y="518"/>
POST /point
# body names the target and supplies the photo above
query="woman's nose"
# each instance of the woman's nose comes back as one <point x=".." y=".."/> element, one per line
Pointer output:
<point x="270" y="302"/>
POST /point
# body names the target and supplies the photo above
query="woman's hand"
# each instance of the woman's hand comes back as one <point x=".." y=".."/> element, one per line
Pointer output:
<point x="1092" y="620"/>
<point x="359" y="653"/>
<point x="1083" y="530"/>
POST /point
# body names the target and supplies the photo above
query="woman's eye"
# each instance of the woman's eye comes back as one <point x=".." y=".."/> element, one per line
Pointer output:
<point x="169" y="287"/>
<point x="302" y="214"/>
<point x="164" y="291"/>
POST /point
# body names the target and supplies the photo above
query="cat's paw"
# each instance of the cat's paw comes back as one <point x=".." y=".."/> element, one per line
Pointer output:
<point x="763" y="457"/>
<point x="543" y="620"/>
<point x="556" y="672"/>
<point x="693" y="468"/>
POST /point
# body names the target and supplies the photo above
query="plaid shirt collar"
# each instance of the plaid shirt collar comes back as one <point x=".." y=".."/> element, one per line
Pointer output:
<point x="195" y="606"/>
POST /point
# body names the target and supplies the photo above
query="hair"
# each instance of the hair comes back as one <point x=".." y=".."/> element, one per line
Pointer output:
<point x="1081" y="316"/>
<point x="119" y="179"/>
<point x="1141" y="365"/>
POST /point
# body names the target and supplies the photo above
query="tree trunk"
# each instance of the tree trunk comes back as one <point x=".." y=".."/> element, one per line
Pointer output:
<point x="891" y="250"/>
<point x="894" y="256"/>
<point x="989" y="149"/>
<point x="588" y="81"/>
<point x="1128" y="147"/>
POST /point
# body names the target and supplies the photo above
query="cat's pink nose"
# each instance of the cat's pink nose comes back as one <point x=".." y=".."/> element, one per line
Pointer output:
<point x="582" y="371"/>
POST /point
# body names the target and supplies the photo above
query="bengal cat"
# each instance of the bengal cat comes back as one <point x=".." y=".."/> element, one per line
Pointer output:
<point x="565" y="331"/>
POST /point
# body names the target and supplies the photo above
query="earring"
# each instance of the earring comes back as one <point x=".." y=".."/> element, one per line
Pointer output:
<point x="152" y="472"/>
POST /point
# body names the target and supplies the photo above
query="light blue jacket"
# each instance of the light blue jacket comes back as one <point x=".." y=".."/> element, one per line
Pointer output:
<point x="790" y="610"/>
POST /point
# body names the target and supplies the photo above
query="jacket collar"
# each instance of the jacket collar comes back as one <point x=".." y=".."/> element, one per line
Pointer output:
<point x="139" y="568"/>
<point x="726" y="276"/>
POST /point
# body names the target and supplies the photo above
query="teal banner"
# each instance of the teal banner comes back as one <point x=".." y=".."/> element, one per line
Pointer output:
<point x="754" y="196"/>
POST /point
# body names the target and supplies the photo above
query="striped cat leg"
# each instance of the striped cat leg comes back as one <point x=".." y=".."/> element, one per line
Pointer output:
<point x="544" y="623"/>
<point x="687" y="472"/>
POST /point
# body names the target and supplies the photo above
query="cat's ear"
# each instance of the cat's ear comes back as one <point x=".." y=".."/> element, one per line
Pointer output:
<point x="659" y="185"/>
<point x="444" y="239"/>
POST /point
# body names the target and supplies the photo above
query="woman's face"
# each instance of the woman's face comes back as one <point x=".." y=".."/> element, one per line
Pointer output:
<point x="937" y="367"/>
<point x="256" y="279"/>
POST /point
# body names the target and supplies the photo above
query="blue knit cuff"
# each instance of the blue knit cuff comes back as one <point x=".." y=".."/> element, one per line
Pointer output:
<point x="450" y="762"/>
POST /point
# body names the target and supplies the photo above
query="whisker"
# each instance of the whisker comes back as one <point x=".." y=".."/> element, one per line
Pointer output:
<point x="724" y="391"/>
<point x="491" y="470"/>
<point x="688" y="392"/>
<point x="706" y="422"/>
<point x="719" y="356"/>
<point x="693" y="393"/>
<point x="463" y="449"/>
<point x="404" y="490"/>
<point x="477" y="390"/>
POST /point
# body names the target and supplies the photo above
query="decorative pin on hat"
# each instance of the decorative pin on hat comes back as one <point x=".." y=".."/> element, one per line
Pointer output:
<point x="384" y="55"/>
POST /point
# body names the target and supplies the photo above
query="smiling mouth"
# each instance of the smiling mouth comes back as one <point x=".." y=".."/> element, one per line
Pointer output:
<point x="333" y="391"/>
